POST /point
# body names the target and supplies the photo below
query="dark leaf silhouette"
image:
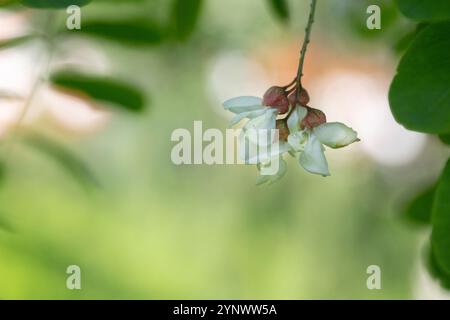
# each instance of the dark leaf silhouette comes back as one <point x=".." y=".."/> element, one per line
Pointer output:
<point x="185" y="15"/>
<point x="103" y="89"/>
<point x="419" y="95"/>
<point x="420" y="208"/>
<point x="440" y="238"/>
<point x="436" y="270"/>
<point x="420" y="10"/>
<point x="53" y="4"/>
<point x="445" y="138"/>
<point x="125" y="32"/>
<point x="280" y="8"/>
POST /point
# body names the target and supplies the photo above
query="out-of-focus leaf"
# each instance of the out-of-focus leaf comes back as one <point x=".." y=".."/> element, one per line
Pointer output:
<point x="127" y="32"/>
<point x="102" y="89"/>
<point x="403" y="43"/>
<point x="419" y="95"/>
<point x="68" y="160"/>
<point x="185" y="15"/>
<point x="280" y="8"/>
<point x="420" y="208"/>
<point x="4" y="3"/>
<point x="53" y="4"/>
<point x="436" y="271"/>
<point x="440" y="238"/>
<point x="353" y="15"/>
<point x="445" y="138"/>
<point x="425" y="10"/>
<point x="8" y="43"/>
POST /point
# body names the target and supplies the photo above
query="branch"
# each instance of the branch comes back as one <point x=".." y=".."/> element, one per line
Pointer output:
<point x="305" y="46"/>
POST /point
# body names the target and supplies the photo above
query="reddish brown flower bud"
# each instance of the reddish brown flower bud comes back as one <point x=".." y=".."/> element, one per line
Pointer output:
<point x="276" y="98"/>
<point x="283" y="130"/>
<point x="313" y="118"/>
<point x="302" y="100"/>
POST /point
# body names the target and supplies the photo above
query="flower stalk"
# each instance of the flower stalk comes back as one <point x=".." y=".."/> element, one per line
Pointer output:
<point x="305" y="46"/>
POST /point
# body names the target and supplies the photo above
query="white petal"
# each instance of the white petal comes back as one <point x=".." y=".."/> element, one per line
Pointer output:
<point x="313" y="159"/>
<point x="243" y="104"/>
<point x="250" y="114"/>
<point x="298" y="140"/>
<point x="259" y="129"/>
<point x="335" y="134"/>
<point x="294" y="119"/>
<point x="266" y="153"/>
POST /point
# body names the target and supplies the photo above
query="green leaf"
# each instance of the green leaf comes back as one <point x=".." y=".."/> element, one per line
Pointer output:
<point x="9" y="43"/>
<point x="403" y="43"/>
<point x="100" y="88"/>
<point x="280" y="8"/>
<point x="420" y="92"/>
<point x="425" y="10"/>
<point x="4" y="3"/>
<point x="440" y="238"/>
<point x="436" y="271"/>
<point x="420" y="208"/>
<point x="185" y="15"/>
<point x="53" y="4"/>
<point x="128" y="32"/>
<point x="68" y="160"/>
<point x="445" y="138"/>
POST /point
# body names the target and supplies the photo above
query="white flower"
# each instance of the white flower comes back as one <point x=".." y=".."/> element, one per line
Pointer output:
<point x="251" y="153"/>
<point x="258" y="146"/>
<point x="295" y="118"/>
<point x="335" y="134"/>
<point x="308" y="143"/>
<point x="312" y="159"/>
<point x="262" y="118"/>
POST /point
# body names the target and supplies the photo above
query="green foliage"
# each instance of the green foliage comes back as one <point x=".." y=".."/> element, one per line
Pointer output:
<point x="436" y="271"/>
<point x="440" y="239"/>
<point x="4" y="3"/>
<point x="445" y="138"/>
<point x="280" y="9"/>
<point x="420" y="208"/>
<point x="65" y="158"/>
<point x="404" y="42"/>
<point x="9" y="43"/>
<point x="355" y="19"/>
<point x="185" y="15"/>
<point x="102" y="89"/>
<point x="127" y="32"/>
<point x="420" y="100"/>
<point x="419" y="95"/>
<point x="53" y="4"/>
<point x="425" y="10"/>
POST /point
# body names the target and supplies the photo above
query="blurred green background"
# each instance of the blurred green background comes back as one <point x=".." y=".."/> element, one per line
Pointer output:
<point x="154" y="230"/>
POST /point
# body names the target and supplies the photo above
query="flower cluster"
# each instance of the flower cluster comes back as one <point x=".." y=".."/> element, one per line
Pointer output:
<point x="302" y="131"/>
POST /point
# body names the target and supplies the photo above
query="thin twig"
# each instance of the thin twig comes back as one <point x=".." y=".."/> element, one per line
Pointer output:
<point x="305" y="47"/>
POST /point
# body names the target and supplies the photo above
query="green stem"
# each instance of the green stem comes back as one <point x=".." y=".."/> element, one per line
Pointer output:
<point x="305" y="47"/>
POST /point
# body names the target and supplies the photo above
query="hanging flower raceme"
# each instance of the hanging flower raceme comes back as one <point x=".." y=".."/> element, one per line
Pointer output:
<point x="301" y="131"/>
